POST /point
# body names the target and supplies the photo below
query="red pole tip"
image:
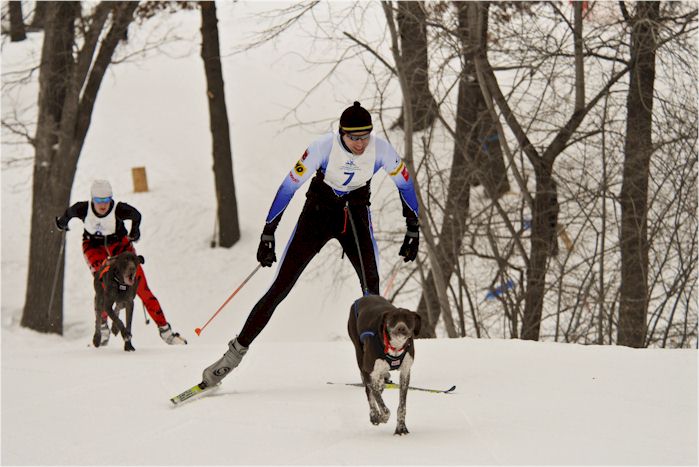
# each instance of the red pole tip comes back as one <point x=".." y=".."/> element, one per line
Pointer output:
<point x="198" y="331"/>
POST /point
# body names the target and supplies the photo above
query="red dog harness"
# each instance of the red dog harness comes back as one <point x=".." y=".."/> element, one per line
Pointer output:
<point x="104" y="268"/>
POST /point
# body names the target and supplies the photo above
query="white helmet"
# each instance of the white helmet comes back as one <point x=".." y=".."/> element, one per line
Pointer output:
<point x="101" y="189"/>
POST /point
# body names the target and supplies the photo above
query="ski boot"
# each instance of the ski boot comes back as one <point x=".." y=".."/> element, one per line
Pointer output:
<point x="170" y="338"/>
<point x="215" y="373"/>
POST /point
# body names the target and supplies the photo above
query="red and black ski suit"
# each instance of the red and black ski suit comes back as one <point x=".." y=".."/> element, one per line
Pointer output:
<point x="97" y="247"/>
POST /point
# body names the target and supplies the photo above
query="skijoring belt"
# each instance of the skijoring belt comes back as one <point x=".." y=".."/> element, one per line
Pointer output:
<point x="323" y="195"/>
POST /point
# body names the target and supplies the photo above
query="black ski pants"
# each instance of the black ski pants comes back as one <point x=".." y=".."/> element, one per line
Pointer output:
<point x="316" y="226"/>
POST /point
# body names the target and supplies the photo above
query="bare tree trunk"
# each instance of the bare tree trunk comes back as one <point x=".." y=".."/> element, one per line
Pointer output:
<point x="578" y="45"/>
<point x="476" y="157"/>
<point x="545" y="206"/>
<point x="50" y="194"/>
<point x="227" y="211"/>
<point x="67" y="93"/>
<point x="17" y="31"/>
<point x="453" y="226"/>
<point x="439" y="277"/>
<point x="483" y="146"/>
<point x="39" y="16"/>
<point x="412" y="28"/>
<point x="602" y="313"/>
<point x="634" y="191"/>
<point x="543" y="240"/>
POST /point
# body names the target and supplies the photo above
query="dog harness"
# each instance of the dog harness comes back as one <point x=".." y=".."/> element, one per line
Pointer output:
<point x="382" y="343"/>
<point x="106" y="265"/>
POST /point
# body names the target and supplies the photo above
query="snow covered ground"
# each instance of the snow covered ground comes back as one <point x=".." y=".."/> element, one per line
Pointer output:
<point x="66" y="403"/>
<point x="515" y="403"/>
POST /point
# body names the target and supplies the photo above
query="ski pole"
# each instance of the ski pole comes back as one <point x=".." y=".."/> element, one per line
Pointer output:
<point x="145" y="316"/>
<point x="55" y="275"/>
<point x="199" y="330"/>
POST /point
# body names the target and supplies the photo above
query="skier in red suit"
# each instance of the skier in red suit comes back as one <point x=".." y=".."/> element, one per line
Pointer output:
<point x="104" y="236"/>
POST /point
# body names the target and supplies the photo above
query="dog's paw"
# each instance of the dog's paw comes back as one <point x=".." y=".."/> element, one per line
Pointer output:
<point x="385" y="416"/>
<point x="96" y="340"/>
<point x="401" y="429"/>
<point x="374" y="417"/>
<point x="128" y="347"/>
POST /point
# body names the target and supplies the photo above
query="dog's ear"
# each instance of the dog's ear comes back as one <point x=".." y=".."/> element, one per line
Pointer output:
<point x="384" y="317"/>
<point x="141" y="259"/>
<point x="418" y="324"/>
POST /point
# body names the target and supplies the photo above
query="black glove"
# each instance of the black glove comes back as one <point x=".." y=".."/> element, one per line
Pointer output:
<point x="135" y="234"/>
<point x="62" y="223"/>
<point x="411" y="242"/>
<point x="265" y="252"/>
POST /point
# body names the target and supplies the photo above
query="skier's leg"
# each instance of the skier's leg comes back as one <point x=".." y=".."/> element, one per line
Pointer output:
<point x="308" y="238"/>
<point x="149" y="300"/>
<point x="124" y="244"/>
<point x="153" y="306"/>
<point x="367" y="248"/>
<point x="306" y="241"/>
<point x="94" y="256"/>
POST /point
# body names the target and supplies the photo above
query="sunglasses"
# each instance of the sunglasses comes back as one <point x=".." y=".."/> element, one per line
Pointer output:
<point x="358" y="138"/>
<point x="106" y="199"/>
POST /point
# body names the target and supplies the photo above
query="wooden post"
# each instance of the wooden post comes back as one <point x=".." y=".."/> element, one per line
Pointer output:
<point x="140" y="181"/>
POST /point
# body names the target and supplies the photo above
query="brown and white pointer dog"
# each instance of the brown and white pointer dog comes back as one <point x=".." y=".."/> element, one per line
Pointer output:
<point x="383" y="341"/>
<point x="115" y="288"/>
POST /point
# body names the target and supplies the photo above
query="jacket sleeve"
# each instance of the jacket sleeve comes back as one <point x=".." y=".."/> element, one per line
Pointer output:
<point x="79" y="210"/>
<point x="125" y="211"/>
<point x="311" y="160"/>
<point x="398" y="172"/>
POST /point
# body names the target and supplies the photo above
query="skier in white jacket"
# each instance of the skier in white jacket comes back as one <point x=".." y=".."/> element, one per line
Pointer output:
<point x="341" y="165"/>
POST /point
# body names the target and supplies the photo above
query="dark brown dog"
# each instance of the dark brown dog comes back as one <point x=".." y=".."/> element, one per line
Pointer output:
<point x="383" y="341"/>
<point x="115" y="288"/>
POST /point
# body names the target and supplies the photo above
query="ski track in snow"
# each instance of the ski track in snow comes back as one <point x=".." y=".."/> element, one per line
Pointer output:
<point x="485" y="442"/>
<point x="67" y="399"/>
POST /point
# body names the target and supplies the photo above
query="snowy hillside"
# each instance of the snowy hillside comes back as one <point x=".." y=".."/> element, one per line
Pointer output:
<point x="515" y="403"/>
<point x="66" y="403"/>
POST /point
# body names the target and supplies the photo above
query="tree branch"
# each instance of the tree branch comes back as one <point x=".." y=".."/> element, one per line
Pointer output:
<point x="373" y="52"/>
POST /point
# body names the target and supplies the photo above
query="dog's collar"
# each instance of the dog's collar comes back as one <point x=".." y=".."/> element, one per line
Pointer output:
<point x="387" y="347"/>
<point x="105" y="268"/>
<point x="122" y="286"/>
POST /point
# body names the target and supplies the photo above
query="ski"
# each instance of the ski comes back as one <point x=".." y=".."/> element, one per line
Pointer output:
<point x="196" y="390"/>
<point x="397" y="386"/>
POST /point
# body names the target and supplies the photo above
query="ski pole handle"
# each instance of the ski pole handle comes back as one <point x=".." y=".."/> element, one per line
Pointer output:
<point x="199" y="330"/>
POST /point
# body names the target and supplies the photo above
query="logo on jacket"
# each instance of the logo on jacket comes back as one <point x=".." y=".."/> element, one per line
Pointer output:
<point x="398" y="169"/>
<point x="300" y="169"/>
<point x="349" y="165"/>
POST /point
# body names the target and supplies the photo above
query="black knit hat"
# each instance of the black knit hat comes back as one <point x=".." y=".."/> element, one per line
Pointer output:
<point x="355" y="118"/>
